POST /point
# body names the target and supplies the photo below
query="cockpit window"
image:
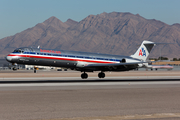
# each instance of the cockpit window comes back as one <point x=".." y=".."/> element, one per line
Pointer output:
<point x="22" y="50"/>
<point x="18" y="51"/>
<point x="15" y="51"/>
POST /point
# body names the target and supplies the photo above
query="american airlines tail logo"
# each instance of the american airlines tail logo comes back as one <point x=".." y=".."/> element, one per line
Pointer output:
<point x="142" y="52"/>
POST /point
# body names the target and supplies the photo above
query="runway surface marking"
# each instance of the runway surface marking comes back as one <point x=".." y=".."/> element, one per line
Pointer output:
<point x="90" y="78"/>
<point x="129" y="117"/>
<point x="88" y="84"/>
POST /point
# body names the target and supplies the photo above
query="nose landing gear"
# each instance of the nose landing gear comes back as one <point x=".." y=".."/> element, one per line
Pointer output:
<point x="35" y="69"/>
<point x="14" y="66"/>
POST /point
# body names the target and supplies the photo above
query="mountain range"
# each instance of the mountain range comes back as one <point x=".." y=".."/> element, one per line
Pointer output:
<point x="110" y="33"/>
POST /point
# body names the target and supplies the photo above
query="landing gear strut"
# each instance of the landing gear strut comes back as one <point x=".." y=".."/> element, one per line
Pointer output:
<point x="84" y="75"/>
<point x="101" y="75"/>
<point x="14" y="66"/>
<point x="35" y="69"/>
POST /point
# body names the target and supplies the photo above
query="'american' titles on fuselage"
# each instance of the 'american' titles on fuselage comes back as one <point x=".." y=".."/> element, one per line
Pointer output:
<point x="80" y="61"/>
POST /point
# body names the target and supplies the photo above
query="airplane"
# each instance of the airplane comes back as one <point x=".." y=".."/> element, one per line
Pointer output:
<point x="156" y="67"/>
<point x="81" y="61"/>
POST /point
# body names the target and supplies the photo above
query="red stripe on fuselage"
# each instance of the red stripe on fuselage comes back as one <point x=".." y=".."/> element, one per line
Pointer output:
<point x="58" y="58"/>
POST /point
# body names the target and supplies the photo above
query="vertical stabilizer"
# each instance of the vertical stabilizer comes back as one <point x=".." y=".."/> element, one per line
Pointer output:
<point x="144" y="50"/>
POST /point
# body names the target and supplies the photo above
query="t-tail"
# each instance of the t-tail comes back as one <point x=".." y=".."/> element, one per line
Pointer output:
<point x="144" y="50"/>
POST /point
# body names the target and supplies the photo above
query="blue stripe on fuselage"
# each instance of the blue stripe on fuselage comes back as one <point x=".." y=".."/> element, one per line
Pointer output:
<point x="70" y="56"/>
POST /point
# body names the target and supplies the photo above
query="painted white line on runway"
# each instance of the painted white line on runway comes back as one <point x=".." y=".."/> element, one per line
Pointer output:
<point x="90" y="78"/>
<point x="88" y="84"/>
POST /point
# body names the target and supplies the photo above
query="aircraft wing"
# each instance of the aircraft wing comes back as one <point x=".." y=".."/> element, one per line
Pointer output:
<point x="113" y="64"/>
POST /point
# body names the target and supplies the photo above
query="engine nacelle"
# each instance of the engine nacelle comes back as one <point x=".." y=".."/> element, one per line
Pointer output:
<point x="140" y="65"/>
<point x="145" y="65"/>
<point x="123" y="60"/>
<point x="126" y="60"/>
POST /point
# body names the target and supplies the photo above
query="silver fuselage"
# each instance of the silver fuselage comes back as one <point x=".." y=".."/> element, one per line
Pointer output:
<point x="68" y="59"/>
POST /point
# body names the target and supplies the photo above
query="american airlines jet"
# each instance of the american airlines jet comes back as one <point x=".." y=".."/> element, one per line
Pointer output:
<point x="81" y="61"/>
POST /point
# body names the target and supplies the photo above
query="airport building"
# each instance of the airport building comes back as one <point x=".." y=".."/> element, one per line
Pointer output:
<point x="173" y="63"/>
<point x="4" y="64"/>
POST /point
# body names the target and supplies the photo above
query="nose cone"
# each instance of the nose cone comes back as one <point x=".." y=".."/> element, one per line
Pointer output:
<point x="9" y="58"/>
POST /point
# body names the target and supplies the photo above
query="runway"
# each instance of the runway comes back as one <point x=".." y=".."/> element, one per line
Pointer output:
<point x="70" y="98"/>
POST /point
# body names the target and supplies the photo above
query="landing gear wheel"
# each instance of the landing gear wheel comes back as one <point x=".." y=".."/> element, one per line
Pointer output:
<point x="14" y="68"/>
<point x="101" y="75"/>
<point x="84" y="75"/>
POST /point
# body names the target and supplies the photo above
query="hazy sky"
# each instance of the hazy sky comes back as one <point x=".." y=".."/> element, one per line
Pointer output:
<point x="18" y="15"/>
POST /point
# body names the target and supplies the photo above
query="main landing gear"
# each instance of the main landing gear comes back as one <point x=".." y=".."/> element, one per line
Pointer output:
<point x="85" y="75"/>
<point x="101" y="75"/>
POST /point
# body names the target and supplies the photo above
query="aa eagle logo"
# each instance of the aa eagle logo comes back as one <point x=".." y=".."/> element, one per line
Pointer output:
<point x="142" y="52"/>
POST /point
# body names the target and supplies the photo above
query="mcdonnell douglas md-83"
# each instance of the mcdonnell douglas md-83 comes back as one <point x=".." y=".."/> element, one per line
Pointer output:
<point x="82" y="61"/>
